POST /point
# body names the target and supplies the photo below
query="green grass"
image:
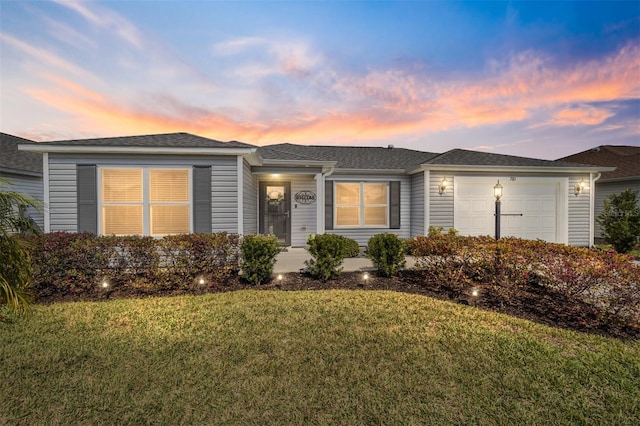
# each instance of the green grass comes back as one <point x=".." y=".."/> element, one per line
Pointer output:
<point x="341" y="357"/>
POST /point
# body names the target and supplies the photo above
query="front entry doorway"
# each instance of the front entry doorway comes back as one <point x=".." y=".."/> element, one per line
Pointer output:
<point x="275" y="210"/>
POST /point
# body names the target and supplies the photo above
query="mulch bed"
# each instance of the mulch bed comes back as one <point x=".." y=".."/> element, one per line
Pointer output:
<point x="534" y="303"/>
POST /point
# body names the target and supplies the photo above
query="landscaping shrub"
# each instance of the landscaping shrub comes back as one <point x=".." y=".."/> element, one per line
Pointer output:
<point x="387" y="253"/>
<point x="608" y="281"/>
<point x="620" y="221"/>
<point x="78" y="264"/>
<point x="350" y="247"/>
<point x="328" y="251"/>
<point x="258" y="257"/>
<point x="15" y="264"/>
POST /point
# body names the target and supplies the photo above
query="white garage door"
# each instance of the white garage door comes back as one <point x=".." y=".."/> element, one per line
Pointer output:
<point x="532" y="208"/>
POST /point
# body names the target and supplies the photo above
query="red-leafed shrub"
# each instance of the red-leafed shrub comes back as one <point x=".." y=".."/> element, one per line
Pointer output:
<point x="607" y="281"/>
<point x="85" y="266"/>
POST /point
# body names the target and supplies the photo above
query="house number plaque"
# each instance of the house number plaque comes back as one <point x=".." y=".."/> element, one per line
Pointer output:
<point x="305" y="197"/>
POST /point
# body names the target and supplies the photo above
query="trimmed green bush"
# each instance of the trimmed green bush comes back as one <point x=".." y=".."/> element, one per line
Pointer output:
<point x="620" y="221"/>
<point x="328" y="251"/>
<point x="258" y="257"/>
<point x="350" y="247"/>
<point x="387" y="253"/>
<point x="78" y="264"/>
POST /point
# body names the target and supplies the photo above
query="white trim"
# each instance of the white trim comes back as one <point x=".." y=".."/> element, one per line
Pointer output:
<point x="562" y="221"/>
<point x="320" y="226"/>
<point x="372" y="171"/>
<point x="46" y="195"/>
<point x="592" y="206"/>
<point x="340" y="178"/>
<point x="461" y="168"/>
<point x="240" y="173"/>
<point x="301" y="163"/>
<point x="105" y="149"/>
<point x="427" y="202"/>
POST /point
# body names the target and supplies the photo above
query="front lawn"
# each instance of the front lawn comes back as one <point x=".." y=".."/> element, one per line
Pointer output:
<point x="342" y="357"/>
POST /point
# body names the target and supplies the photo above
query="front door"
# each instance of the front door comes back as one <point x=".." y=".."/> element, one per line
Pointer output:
<point x="275" y="210"/>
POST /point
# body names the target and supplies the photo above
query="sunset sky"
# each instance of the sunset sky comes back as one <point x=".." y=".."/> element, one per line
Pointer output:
<point x="536" y="79"/>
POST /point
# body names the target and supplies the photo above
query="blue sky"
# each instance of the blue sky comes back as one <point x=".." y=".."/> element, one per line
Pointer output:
<point x="537" y="79"/>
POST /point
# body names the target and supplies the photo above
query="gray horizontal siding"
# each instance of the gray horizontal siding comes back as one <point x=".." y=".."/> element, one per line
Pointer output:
<point x="440" y="206"/>
<point x="579" y="214"/>
<point x="362" y="235"/>
<point x="63" y="208"/>
<point x="417" y="204"/>
<point x="606" y="189"/>
<point x="249" y="200"/>
<point x="30" y="186"/>
<point x="63" y="198"/>
<point x="224" y="195"/>
<point x="303" y="216"/>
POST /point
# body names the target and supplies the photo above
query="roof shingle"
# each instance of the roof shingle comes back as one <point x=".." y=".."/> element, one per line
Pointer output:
<point x="625" y="158"/>
<point x="463" y="157"/>
<point x="12" y="160"/>
<point x="349" y="157"/>
<point x="168" y="140"/>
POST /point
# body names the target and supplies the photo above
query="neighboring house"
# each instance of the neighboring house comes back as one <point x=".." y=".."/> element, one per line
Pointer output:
<point x="174" y="183"/>
<point x="625" y="159"/>
<point x="24" y="172"/>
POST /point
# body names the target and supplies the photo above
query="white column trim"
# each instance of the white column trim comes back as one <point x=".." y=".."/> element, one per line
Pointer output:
<point x="240" y="173"/>
<point x="319" y="203"/>
<point x="427" y="202"/>
<point x="46" y="194"/>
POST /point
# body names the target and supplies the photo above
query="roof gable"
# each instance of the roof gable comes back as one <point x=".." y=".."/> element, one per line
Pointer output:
<point x="15" y="161"/>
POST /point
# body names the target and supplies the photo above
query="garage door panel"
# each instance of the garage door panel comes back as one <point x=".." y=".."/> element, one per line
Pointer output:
<point x="480" y="206"/>
<point x="536" y="201"/>
<point x="514" y="206"/>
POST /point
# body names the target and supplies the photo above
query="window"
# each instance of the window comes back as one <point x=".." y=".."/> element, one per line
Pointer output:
<point x="145" y="201"/>
<point x="361" y="204"/>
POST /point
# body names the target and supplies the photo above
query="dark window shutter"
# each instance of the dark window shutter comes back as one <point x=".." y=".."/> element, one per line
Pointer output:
<point x="328" y="205"/>
<point x="202" y="199"/>
<point x="394" y="207"/>
<point x="87" y="192"/>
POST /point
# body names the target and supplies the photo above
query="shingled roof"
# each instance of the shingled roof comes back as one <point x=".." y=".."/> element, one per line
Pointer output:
<point x="349" y="157"/>
<point x="378" y="158"/>
<point x="625" y="158"/>
<point x="463" y="157"/>
<point x="14" y="161"/>
<point x="165" y="140"/>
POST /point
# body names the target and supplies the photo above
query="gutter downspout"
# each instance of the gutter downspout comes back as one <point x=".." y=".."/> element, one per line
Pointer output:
<point x="592" y="204"/>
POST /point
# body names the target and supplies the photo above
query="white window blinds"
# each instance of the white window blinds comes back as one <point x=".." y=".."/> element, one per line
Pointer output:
<point x="145" y="201"/>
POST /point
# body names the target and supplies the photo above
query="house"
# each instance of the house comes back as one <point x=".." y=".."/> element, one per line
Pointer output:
<point x="24" y="172"/>
<point x="174" y="183"/>
<point x="625" y="159"/>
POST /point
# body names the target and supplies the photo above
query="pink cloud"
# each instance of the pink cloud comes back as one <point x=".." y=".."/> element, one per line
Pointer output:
<point x="313" y="101"/>
<point x="582" y="115"/>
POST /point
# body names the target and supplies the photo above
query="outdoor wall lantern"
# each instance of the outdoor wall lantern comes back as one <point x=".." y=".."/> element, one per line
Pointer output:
<point x="443" y="186"/>
<point x="497" y="192"/>
<point x="580" y="186"/>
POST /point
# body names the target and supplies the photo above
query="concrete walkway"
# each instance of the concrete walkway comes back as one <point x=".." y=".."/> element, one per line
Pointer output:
<point x="293" y="259"/>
